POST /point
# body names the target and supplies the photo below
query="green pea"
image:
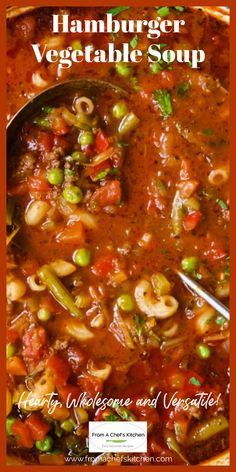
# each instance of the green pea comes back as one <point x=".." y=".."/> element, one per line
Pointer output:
<point x="55" y="176"/>
<point x="124" y="69"/>
<point x="190" y="264"/>
<point x="203" y="351"/>
<point x="72" y="194"/>
<point x="68" y="425"/>
<point x="77" y="45"/>
<point x="86" y="138"/>
<point x="10" y="350"/>
<point x="119" y="110"/>
<point x="82" y="257"/>
<point x="79" y="156"/>
<point x="44" y="314"/>
<point x="126" y="302"/>
<point x="44" y="445"/>
<point x="9" y="423"/>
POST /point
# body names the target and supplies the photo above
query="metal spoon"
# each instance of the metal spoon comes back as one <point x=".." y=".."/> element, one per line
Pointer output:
<point x="88" y="87"/>
<point x="202" y="292"/>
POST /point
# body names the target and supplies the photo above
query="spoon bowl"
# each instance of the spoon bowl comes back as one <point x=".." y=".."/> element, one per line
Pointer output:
<point x="88" y="87"/>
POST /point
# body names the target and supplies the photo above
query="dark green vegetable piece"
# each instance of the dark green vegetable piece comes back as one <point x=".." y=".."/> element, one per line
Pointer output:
<point x="206" y="429"/>
<point x="59" y="291"/>
<point x="124" y="413"/>
<point x="172" y="444"/>
<point x="183" y="88"/>
<point x="116" y="10"/>
<point x="222" y="204"/>
<point x="139" y="324"/>
<point x="163" y="11"/>
<point x="10" y="211"/>
<point x="163" y="99"/>
<point x="134" y="42"/>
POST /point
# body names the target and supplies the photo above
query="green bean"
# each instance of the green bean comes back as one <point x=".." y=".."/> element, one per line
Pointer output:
<point x="10" y="211"/>
<point x="128" y="123"/>
<point x="177" y="214"/>
<point x="206" y="429"/>
<point x="124" y="413"/>
<point x="173" y="445"/>
<point x="59" y="291"/>
<point x="9" y="423"/>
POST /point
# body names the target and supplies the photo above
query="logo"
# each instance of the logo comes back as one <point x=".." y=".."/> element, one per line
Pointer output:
<point x="119" y="436"/>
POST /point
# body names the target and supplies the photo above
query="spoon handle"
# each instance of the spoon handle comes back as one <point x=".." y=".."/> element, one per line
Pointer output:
<point x="202" y="292"/>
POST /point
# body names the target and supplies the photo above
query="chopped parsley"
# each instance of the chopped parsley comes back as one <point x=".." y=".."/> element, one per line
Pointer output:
<point x="163" y="11"/>
<point x="112" y="417"/>
<point x="134" y="42"/>
<point x="194" y="381"/>
<point x="223" y="205"/>
<point x="163" y="99"/>
<point x="208" y="132"/>
<point x="220" y="320"/>
<point x="183" y="88"/>
<point x="180" y="9"/>
<point x="47" y="109"/>
<point x="139" y="324"/>
<point x="116" y="10"/>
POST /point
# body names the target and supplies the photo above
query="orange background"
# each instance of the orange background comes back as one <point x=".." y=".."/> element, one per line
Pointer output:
<point x="3" y="5"/>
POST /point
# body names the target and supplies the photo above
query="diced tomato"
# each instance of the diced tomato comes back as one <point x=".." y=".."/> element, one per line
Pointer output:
<point x="37" y="426"/>
<point x="93" y="172"/>
<point x="91" y="385"/>
<point x="60" y="141"/>
<point x="101" y="141"/>
<point x="38" y="184"/>
<point x="34" y="341"/>
<point x="23" y="434"/>
<point x="104" y="266"/>
<point x="72" y="233"/>
<point x="188" y="187"/>
<point x="144" y="412"/>
<point x="18" y="189"/>
<point x="215" y="252"/>
<point x="70" y="392"/>
<point x="59" y="126"/>
<point x="16" y="366"/>
<point x="88" y="150"/>
<point x="59" y="368"/>
<point x="45" y="141"/>
<point x="191" y="220"/>
<point x="29" y="267"/>
<point x="76" y="357"/>
<point x="49" y="303"/>
<point x="109" y="194"/>
<point x="140" y="370"/>
<point x="12" y="335"/>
